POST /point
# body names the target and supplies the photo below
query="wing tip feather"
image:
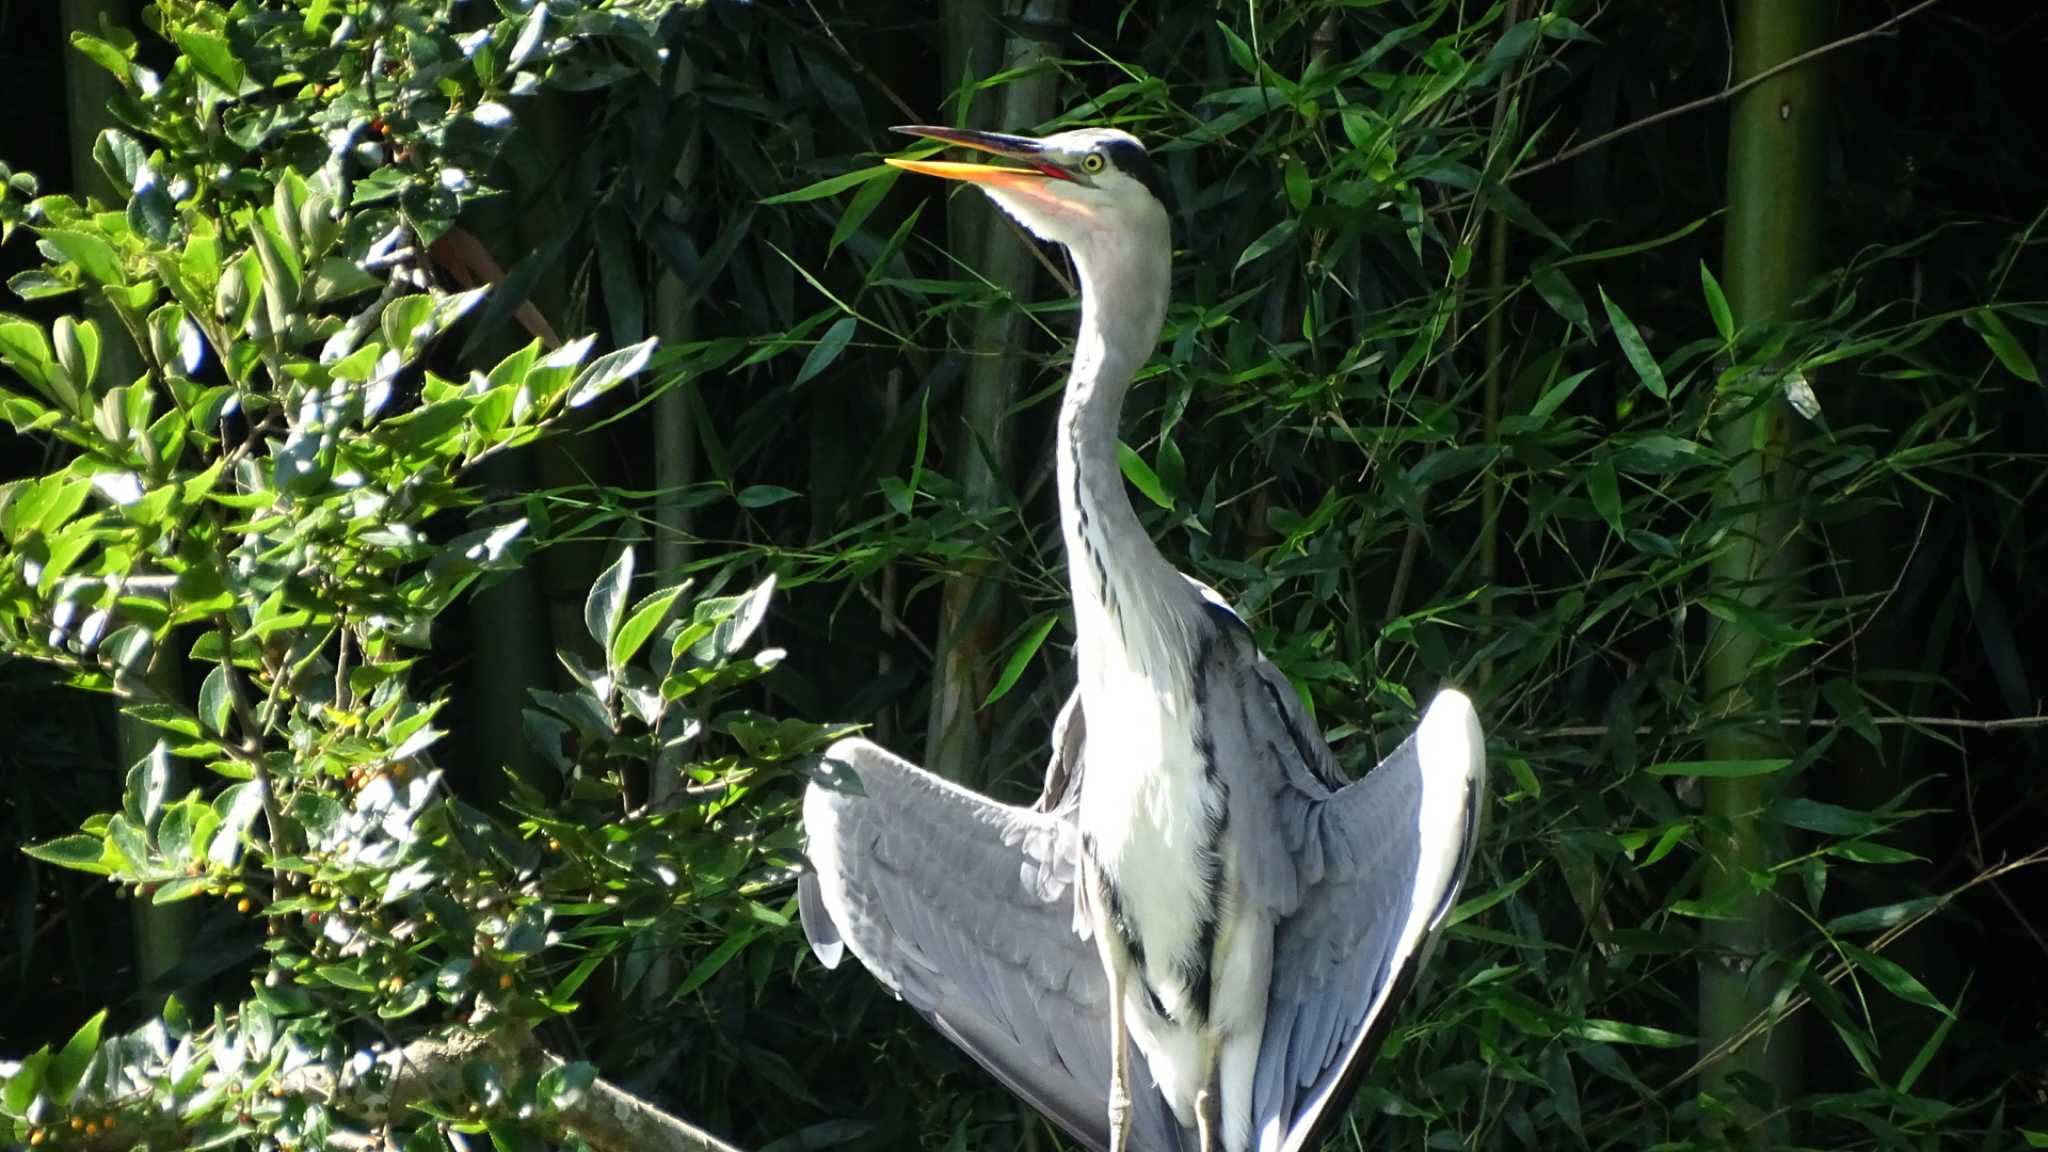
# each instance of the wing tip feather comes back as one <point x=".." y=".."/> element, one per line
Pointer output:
<point x="1450" y="734"/>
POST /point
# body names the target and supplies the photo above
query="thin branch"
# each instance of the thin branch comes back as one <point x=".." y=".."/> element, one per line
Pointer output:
<point x="893" y="625"/>
<point x="1919" y="535"/>
<point x="1724" y="95"/>
<point x="252" y="752"/>
<point x="853" y="62"/>
<point x="2003" y="723"/>
<point x="1766" y="1020"/>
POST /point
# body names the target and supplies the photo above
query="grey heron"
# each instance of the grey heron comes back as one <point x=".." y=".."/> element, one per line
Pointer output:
<point x="1200" y="931"/>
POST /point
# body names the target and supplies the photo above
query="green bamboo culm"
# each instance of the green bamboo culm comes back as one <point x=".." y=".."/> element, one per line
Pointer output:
<point x="1774" y="174"/>
<point x="971" y="606"/>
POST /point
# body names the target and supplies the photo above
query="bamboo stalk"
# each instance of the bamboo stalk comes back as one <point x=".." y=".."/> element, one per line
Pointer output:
<point x="970" y="610"/>
<point x="1496" y="343"/>
<point x="1774" y="155"/>
<point x="675" y="439"/>
<point x="512" y="634"/>
<point x="675" y="466"/>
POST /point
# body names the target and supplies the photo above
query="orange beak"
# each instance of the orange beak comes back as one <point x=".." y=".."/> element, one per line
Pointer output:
<point x="1031" y="173"/>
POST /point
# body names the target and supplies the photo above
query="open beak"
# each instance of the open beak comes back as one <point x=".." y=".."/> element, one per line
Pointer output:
<point x="1029" y="172"/>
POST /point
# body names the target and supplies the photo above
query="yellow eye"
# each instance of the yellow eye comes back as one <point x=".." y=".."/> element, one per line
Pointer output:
<point x="1091" y="163"/>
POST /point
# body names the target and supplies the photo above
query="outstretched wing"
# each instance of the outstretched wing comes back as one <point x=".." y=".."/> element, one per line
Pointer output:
<point x="1394" y="849"/>
<point x="965" y="908"/>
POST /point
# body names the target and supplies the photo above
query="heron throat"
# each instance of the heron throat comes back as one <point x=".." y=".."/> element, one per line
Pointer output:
<point x="1133" y="611"/>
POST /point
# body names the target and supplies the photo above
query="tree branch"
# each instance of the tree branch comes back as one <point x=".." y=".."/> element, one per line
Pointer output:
<point x="607" y="1117"/>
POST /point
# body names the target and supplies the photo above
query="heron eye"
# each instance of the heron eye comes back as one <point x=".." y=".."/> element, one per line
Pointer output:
<point x="1092" y="163"/>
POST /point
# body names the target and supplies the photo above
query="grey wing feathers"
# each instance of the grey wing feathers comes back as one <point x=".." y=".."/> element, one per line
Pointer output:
<point x="1392" y="851"/>
<point x="965" y="909"/>
<point x="1063" y="770"/>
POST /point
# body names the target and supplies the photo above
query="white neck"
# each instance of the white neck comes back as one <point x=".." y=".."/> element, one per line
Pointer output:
<point x="1130" y="605"/>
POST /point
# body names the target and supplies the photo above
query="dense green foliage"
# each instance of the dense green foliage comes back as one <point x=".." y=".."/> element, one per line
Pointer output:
<point x="1438" y="402"/>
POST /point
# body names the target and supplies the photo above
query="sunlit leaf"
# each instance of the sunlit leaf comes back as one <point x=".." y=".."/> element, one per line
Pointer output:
<point x="1020" y="658"/>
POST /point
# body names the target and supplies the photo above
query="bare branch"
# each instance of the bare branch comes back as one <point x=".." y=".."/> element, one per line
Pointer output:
<point x="1963" y="723"/>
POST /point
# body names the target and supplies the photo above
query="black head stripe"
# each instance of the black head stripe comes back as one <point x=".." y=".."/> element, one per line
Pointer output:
<point x="1132" y="160"/>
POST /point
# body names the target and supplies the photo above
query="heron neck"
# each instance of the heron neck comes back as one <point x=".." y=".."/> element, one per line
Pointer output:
<point x="1121" y="584"/>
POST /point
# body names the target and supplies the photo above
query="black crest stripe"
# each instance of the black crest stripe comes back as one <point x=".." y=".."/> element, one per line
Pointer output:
<point x="1132" y="160"/>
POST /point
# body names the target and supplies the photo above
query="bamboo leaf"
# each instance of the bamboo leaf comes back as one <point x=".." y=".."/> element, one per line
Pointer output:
<point x="1717" y="769"/>
<point x="831" y="185"/>
<point x="609" y="371"/>
<point x="1633" y="347"/>
<point x="1605" y="492"/>
<point x="2003" y="344"/>
<point x="1272" y="238"/>
<point x="1884" y="916"/>
<point x="1819" y="816"/>
<point x="1554" y="396"/>
<point x="860" y="208"/>
<point x="716" y="960"/>
<point x="1020" y="657"/>
<point x="1926" y="1053"/>
<point x="763" y="495"/>
<point x="1895" y="979"/>
<point x="1141" y="476"/>
<point x="1621" y="1032"/>
<point x="826" y="350"/>
<point x="1557" y="291"/>
<point x="1717" y="304"/>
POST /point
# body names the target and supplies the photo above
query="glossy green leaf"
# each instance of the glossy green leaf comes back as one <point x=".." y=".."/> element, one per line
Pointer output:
<point x="603" y="608"/>
<point x="647" y="616"/>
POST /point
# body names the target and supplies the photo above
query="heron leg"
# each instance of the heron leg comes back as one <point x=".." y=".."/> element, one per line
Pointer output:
<point x="1119" y="1057"/>
<point x="1209" y="1101"/>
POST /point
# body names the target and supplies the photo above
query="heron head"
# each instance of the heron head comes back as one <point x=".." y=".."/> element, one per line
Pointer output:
<point x="1074" y="188"/>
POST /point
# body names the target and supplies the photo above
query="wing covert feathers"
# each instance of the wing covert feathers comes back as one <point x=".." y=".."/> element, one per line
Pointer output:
<point x="964" y="908"/>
